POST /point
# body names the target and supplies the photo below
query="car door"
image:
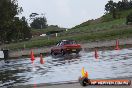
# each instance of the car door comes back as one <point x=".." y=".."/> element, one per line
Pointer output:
<point x="61" y="46"/>
<point x="57" y="48"/>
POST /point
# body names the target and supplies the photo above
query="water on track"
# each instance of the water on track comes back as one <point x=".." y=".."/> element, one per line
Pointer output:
<point x="111" y="64"/>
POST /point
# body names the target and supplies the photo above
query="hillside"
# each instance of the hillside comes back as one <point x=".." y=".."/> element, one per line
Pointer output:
<point x="101" y="31"/>
<point x="105" y="18"/>
<point x="90" y="31"/>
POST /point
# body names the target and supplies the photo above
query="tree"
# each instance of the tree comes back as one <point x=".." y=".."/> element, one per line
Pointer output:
<point x="123" y="5"/>
<point x="38" y="22"/>
<point x="111" y="7"/>
<point x="8" y="10"/>
<point x="26" y="29"/>
<point x="19" y="30"/>
<point x="11" y="27"/>
<point x="33" y="15"/>
<point x="129" y="18"/>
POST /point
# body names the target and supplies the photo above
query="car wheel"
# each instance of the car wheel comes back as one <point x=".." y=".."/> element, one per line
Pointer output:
<point x="62" y="52"/>
<point x="52" y="53"/>
<point x="77" y="52"/>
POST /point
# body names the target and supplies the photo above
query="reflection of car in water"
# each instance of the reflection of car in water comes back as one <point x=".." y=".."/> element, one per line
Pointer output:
<point x="66" y="47"/>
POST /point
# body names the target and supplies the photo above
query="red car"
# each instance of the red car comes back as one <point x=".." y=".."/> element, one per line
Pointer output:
<point x="66" y="47"/>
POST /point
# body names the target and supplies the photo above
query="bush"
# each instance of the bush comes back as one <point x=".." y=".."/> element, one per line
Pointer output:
<point x="129" y="18"/>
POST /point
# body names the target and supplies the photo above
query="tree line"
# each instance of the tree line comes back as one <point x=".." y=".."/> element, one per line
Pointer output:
<point x="38" y="21"/>
<point x="115" y="7"/>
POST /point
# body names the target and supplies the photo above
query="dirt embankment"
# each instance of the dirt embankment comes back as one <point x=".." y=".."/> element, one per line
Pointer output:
<point x="124" y="43"/>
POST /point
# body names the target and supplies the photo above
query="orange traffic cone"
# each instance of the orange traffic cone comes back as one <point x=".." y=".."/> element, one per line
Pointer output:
<point x="32" y="56"/>
<point x="41" y="59"/>
<point x="117" y="45"/>
<point x="96" y="54"/>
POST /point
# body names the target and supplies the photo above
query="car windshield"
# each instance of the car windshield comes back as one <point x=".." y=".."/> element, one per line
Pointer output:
<point x="69" y="42"/>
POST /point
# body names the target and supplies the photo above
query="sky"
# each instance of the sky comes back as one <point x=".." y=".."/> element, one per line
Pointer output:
<point x="64" y="13"/>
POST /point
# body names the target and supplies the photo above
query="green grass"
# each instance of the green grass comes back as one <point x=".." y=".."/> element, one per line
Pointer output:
<point x="97" y="27"/>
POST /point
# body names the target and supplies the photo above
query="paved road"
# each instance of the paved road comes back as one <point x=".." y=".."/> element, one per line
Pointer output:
<point x="72" y="85"/>
<point x="77" y="85"/>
